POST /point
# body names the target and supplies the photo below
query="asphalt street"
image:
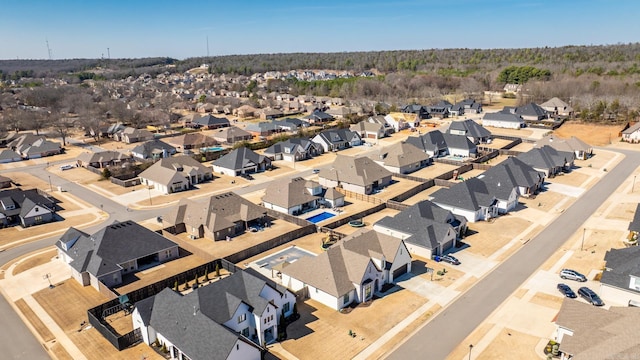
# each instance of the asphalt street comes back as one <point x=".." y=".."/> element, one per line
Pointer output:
<point x="438" y="338"/>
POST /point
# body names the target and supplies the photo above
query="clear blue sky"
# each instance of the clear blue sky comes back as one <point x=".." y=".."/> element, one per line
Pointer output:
<point x="179" y="29"/>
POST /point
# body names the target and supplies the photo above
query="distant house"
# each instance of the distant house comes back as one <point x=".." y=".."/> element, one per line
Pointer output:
<point x="426" y="228"/>
<point x="263" y="128"/>
<point x="131" y="135"/>
<point x="153" y="149"/>
<point x="439" y="111"/>
<point x="548" y="160"/>
<point x="471" y="129"/>
<point x="512" y="88"/>
<point x="337" y="139"/>
<point x="350" y="271"/>
<point x="31" y="146"/>
<point x="360" y="175"/>
<point x="528" y="180"/>
<point x="470" y="105"/>
<point x="241" y="161"/>
<point x="5" y="182"/>
<point x="290" y="124"/>
<point x="239" y="315"/>
<point x="114" y="251"/>
<point x="102" y="159"/>
<point x="294" y="149"/>
<point x="421" y="111"/>
<point x="317" y="117"/>
<point x="231" y="135"/>
<point x="174" y="174"/>
<point x="403" y="158"/>
<point x="211" y="122"/>
<point x="369" y="130"/>
<point x="225" y="215"/>
<point x="401" y="121"/>
<point x="25" y="207"/>
<point x="8" y="155"/>
<point x="381" y="120"/>
<point x="529" y="112"/>
<point x="270" y="114"/>
<point x="294" y="196"/>
<point x="503" y="120"/>
<point x="556" y="106"/>
<point x="582" y="150"/>
<point x="591" y="332"/>
<point x="191" y="141"/>
<point x="432" y="143"/>
<point x="341" y="112"/>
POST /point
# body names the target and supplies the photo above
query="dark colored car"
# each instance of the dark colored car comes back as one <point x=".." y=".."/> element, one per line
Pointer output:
<point x="450" y="259"/>
<point x="590" y="296"/>
<point x="566" y="291"/>
<point x="572" y="275"/>
<point x="246" y="176"/>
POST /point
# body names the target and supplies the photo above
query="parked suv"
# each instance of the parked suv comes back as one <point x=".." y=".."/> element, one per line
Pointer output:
<point x="590" y="296"/>
<point x="572" y="275"/>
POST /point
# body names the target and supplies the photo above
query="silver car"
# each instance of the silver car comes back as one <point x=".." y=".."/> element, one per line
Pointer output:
<point x="572" y="275"/>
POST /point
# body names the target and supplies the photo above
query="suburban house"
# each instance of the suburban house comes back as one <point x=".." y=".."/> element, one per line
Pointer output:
<point x="503" y="120"/>
<point x="25" y="207"/>
<point x="317" y="117"/>
<point x="131" y="135"/>
<point x="529" y="112"/>
<point x="269" y="114"/>
<point x="527" y="179"/>
<point x="360" y="175"/>
<point x="191" y="141"/>
<point x="456" y="110"/>
<point x="369" y="130"/>
<point x="556" y="106"/>
<point x="432" y="143"/>
<point x="341" y="112"/>
<point x="440" y="110"/>
<point x="548" y="160"/>
<point x="174" y="174"/>
<point x="31" y="146"/>
<point x="290" y="124"/>
<point x="591" y="332"/>
<point x="634" y="225"/>
<point x="211" y="122"/>
<point x="5" y="182"/>
<point x="153" y="149"/>
<point x="350" y="271"/>
<point x="512" y="88"/>
<point x="231" y="135"/>
<point x="380" y="119"/>
<point x="620" y="282"/>
<point x="403" y="158"/>
<point x="294" y="196"/>
<point x="472" y="199"/>
<point x="102" y="159"/>
<point x="632" y="133"/>
<point x="421" y="111"/>
<point x="263" y="128"/>
<point x="337" y="139"/>
<point x="241" y="161"/>
<point x="471" y="129"/>
<point x="582" y="150"/>
<point x="426" y="228"/>
<point x="294" y="149"/>
<point x="221" y="217"/>
<point x="237" y="315"/>
<point x="114" y="251"/>
<point x="399" y="121"/>
<point x="470" y="105"/>
<point x="8" y="155"/>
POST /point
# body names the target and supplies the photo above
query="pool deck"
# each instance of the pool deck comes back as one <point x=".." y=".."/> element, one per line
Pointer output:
<point x="315" y="212"/>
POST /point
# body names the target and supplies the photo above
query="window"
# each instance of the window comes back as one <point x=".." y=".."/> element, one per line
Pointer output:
<point x="345" y="298"/>
<point x="367" y="291"/>
<point x="245" y="332"/>
<point x="242" y="318"/>
<point x="285" y="307"/>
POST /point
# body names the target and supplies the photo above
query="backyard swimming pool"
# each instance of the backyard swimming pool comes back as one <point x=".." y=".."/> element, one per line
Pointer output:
<point x="211" y="149"/>
<point x="320" y="217"/>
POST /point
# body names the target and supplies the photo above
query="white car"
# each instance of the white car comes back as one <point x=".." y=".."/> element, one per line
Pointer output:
<point x="66" y="167"/>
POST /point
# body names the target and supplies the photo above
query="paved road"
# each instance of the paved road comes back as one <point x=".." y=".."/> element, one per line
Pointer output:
<point x="438" y="338"/>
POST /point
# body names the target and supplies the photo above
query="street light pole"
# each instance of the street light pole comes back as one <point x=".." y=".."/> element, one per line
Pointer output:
<point x="633" y="186"/>
<point x="149" y="188"/>
<point x="470" y="347"/>
<point x="582" y="244"/>
<point x="50" y="187"/>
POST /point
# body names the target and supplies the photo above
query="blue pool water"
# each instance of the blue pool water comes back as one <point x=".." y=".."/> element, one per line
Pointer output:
<point x="211" y="149"/>
<point x="319" y="217"/>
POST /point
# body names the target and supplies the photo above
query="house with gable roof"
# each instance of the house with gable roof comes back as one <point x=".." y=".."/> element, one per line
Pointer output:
<point x="582" y="150"/>
<point x="350" y="271"/>
<point x="211" y="122"/>
<point x="191" y="141"/>
<point x="294" y="149"/>
<point x="471" y="129"/>
<point x="31" y="146"/>
<point x="175" y="174"/>
<point x="337" y="139"/>
<point x="471" y="198"/>
<point x="222" y="216"/>
<point x="153" y="149"/>
<point x="503" y="120"/>
<point x="292" y="196"/>
<point x="556" y="106"/>
<point x="527" y="179"/>
<point x="114" y="251"/>
<point x="25" y="207"/>
<point x="231" y="135"/>
<point x="102" y="159"/>
<point x="241" y="161"/>
<point x="360" y="175"/>
<point x="632" y="133"/>
<point x="548" y="160"/>
<point x="369" y="130"/>
<point x="425" y="228"/>
<point x="317" y="117"/>
<point x="403" y="158"/>
<point x="132" y="135"/>
<point x="620" y="281"/>
<point x="529" y="112"/>
<point x="232" y="318"/>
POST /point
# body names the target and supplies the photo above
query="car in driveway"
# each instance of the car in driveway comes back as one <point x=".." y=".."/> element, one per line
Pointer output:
<point x="315" y="171"/>
<point x="448" y="259"/>
<point x="569" y="274"/>
<point x="566" y="291"/>
<point x="590" y="296"/>
<point x="66" y="167"/>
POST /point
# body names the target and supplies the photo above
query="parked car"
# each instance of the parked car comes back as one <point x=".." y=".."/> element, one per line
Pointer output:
<point x="566" y="291"/>
<point x="246" y="176"/>
<point x="315" y="171"/>
<point x="569" y="274"/>
<point x="448" y="259"/>
<point x="66" y="167"/>
<point x="590" y="296"/>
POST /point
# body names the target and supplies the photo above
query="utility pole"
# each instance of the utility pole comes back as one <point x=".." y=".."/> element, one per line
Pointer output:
<point x="207" y="45"/>
<point x="48" y="49"/>
<point x="108" y="54"/>
<point x="582" y="244"/>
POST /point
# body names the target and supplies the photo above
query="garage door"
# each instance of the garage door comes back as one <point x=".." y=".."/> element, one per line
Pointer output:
<point x="400" y="271"/>
<point x="446" y="246"/>
<point x="371" y="136"/>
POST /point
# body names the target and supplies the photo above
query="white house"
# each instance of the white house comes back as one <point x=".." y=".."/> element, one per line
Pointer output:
<point x="632" y="134"/>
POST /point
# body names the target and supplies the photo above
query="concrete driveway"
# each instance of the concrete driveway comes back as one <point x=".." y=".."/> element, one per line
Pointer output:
<point x="563" y="189"/>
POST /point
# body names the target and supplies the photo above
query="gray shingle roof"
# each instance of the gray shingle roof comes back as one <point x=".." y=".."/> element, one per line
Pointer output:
<point x="24" y="201"/>
<point x="239" y="158"/>
<point x="515" y="172"/>
<point x="102" y="156"/>
<point x="471" y="194"/>
<point x="546" y="157"/>
<point x="288" y="193"/>
<point x="359" y="171"/>
<point x="403" y="154"/>
<point x="620" y="264"/>
<point x="147" y="148"/>
<point x="470" y="128"/>
<point x="432" y="141"/>
<point x="505" y="117"/>
<point x="634" y="225"/>
<point x="209" y="120"/>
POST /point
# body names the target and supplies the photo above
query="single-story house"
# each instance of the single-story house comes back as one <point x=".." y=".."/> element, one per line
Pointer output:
<point x="153" y="149"/>
<point x="351" y="270"/>
<point x="632" y="133"/>
<point x="503" y="120"/>
<point x="360" y="175"/>
<point x="102" y="159"/>
<point x="556" y="106"/>
<point x="175" y="174"/>
<point x="582" y="150"/>
<point x="5" y="182"/>
<point x="292" y="196"/>
<point x="471" y="129"/>
<point x="8" y="155"/>
<point x="231" y="135"/>
<point x="620" y="281"/>
<point x="225" y="215"/>
<point x="403" y="158"/>
<point x="528" y="180"/>
<point x="241" y="161"/>
<point x="294" y="149"/>
<point x="191" y="141"/>
<point x="548" y="160"/>
<point x="114" y="251"/>
<point x="337" y="139"/>
<point x="317" y="117"/>
<point x="25" y="207"/>
<point x="131" y="135"/>
<point x="211" y="122"/>
<point x="399" y="121"/>
<point x="369" y="130"/>
<point x="31" y="146"/>
<point x="471" y="198"/>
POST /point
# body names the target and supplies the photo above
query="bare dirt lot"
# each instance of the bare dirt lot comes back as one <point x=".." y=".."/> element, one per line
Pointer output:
<point x="593" y="134"/>
<point x="491" y="236"/>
